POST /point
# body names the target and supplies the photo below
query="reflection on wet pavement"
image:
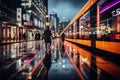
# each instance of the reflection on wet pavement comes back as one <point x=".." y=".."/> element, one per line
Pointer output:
<point x="58" y="65"/>
<point x="19" y="59"/>
<point x="64" y="61"/>
<point x="30" y="60"/>
<point x="92" y="67"/>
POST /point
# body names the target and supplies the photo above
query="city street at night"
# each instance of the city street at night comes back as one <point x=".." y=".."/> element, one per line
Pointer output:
<point x="59" y="39"/>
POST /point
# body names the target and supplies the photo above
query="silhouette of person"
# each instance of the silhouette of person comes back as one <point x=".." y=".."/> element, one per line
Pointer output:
<point x="37" y="36"/>
<point x="47" y="36"/>
<point x="47" y="62"/>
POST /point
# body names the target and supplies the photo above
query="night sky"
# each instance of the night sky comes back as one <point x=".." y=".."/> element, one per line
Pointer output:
<point x="66" y="9"/>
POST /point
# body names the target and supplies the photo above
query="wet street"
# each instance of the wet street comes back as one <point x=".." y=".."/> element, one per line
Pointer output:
<point x="64" y="61"/>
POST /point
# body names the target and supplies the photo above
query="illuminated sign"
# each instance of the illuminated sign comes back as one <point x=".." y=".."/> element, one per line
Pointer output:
<point x="110" y="5"/>
<point x="19" y="13"/>
<point x="116" y="12"/>
<point x="117" y="36"/>
<point x="28" y="23"/>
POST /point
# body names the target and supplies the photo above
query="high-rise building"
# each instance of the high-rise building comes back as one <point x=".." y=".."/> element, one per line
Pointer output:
<point x="54" y="21"/>
<point x="62" y="25"/>
<point x="34" y="12"/>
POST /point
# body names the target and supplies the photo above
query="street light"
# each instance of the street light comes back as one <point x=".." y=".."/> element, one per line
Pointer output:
<point x="47" y="24"/>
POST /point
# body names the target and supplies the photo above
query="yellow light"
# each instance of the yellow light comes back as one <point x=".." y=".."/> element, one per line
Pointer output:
<point x="47" y="24"/>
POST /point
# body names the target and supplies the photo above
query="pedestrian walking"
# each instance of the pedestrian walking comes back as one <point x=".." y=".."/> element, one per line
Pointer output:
<point x="47" y="37"/>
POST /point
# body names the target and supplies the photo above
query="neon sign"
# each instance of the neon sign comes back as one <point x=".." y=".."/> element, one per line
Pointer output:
<point x="117" y="36"/>
<point x="110" y="5"/>
<point x="116" y="12"/>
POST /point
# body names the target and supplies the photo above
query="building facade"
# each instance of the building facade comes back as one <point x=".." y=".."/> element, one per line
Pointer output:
<point x="21" y="16"/>
<point x="34" y="12"/>
<point x="8" y="22"/>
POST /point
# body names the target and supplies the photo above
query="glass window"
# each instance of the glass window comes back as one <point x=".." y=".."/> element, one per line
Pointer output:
<point x="109" y="20"/>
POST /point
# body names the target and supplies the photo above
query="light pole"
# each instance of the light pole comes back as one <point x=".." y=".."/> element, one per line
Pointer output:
<point x="47" y="23"/>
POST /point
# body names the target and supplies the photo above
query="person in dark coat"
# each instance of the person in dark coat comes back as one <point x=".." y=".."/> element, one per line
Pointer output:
<point x="37" y="36"/>
<point x="47" y="36"/>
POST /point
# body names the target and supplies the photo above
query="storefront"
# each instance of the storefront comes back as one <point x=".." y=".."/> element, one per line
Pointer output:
<point x="84" y="26"/>
<point x="109" y="20"/>
<point x="11" y="32"/>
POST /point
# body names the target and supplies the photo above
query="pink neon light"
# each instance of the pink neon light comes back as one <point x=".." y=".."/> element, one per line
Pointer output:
<point x="110" y="5"/>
